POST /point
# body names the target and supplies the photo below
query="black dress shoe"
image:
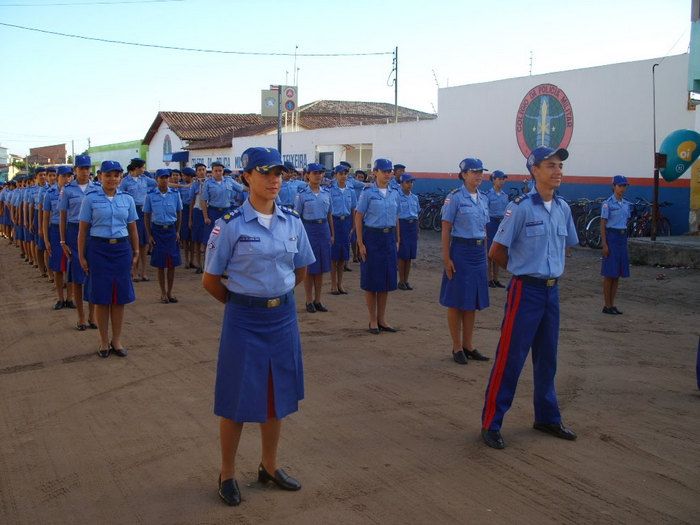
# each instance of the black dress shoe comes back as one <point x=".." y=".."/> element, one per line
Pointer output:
<point x="343" y="291"/>
<point x="607" y="310"/>
<point x="104" y="354"/>
<point x="320" y="308"/>
<point x="69" y="304"/>
<point x="374" y="331"/>
<point x="459" y="357"/>
<point x="475" y="355"/>
<point x="401" y="286"/>
<point x="59" y="305"/>
<point x="493" y="439"/>
<point x="121" y="352"/>
<point x="556" y="429"/>
<point x="310" y="308"/>
<point x="492" y="284"/>
<point x="389" y="329"/>
<point x="335" y="292"/>
<point x="347" y="269"/>
<point x="281" y="479"/>
<point x="498" y="284"/>
<point x="615" y="310"/>
<point x="229" y="492"/>
<point x="408" y="286"/>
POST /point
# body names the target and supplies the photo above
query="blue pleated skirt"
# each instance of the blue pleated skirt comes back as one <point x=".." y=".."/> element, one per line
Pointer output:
<point x="166" y="251"/>
<point x="58" y="262"/>
<point x="468" y="288"/>
<point x="259" y="354"/>
<point x="198" y="226"/>
<point x="491" y="229"/>
<point x="185" y="230"/>
<point x="340" y="251"/>
<point x="408" y="243"/>
<point x="617" y="263"/>
<point x="75" y="271"/>
<point x="40" y="244"/>
<point x="109" y="278"/>
<point x="320" y="240"/>
<point x="378" y="270"/>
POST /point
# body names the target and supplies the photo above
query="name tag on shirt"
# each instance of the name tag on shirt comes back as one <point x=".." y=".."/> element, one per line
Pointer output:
<point x="246" y="238"/>
<point x="534" y="223"/>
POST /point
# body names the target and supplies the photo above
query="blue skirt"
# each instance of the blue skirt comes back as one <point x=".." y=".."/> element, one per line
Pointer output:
<point x="166" y="251"/>
<point x="75" y="271"/>
<point x="141" y="227"/>
<point x="109" y="280"/>
<point x="491" y="229"/>
<point x="259" y="346"/>
<point x="617" y="263"/>
<point x="6" y="215"/>
<point x="378" y="270"/>
<point x="19" y="232"/>
<point x="408" y="244"/>
<point x="58" y="262"/>
<point x="320" y="240"/>
<point x="185" y="230"/>
<point x="340" y="251"/>
<point x="40" y="244"/>
<point x="468" y="288"/>
<point x="197" y="226"/>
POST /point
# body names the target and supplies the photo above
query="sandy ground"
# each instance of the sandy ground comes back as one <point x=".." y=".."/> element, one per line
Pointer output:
<point x="389" y="431"/>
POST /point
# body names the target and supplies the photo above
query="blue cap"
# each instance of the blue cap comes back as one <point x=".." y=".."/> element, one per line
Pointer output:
<point x="543" y="153"/>
<point x="137" y="162"/>
<point x="315" y="166"/>
<point x="64" y="170"/>
<point x="620" y="180"/>
<point x="163" y="172"/>
<point x="383" y="165"/>
<point x="407" y="177"/>
<point x="399" y="167"/>
<point x="189" y="171"/>
<point x="50" y="169"/>
<point x="39" y="169"/>
<point x="261" y="159"/>
<point x="498" y="174"/>
<point x="471" y="165"/>
<point x="147" y="174"/>
<point x="175" y="170"/>
<point x="110" y="165"/>
<point x="82" y="161"/>
<point x="340" y="168"/>
<point x="227" y="171"/>
<point x="346" y="164"/>
<point x="217" y="163"/>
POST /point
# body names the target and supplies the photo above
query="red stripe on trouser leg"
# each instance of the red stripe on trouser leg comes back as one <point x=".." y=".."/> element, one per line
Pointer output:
<point x="114" y="293"/>
<point x="271" y="413"/>
<point x="503" y="350"/>
<point x="64" y="262"/>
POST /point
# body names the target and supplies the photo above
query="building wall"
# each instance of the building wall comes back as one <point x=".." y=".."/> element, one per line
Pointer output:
<point x="55" y="154"/>
<point x="122" y="152"/>
<point x="155" y="148"/>
<point x="207" y="156"/>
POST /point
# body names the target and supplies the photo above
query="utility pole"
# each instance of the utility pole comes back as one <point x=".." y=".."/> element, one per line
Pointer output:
<point x="72" y="149"/>
<point x="396" y="84"/>
<point x="530" y="62"/>
<point x="655" y="204"/>
<point x="279" y="119"/>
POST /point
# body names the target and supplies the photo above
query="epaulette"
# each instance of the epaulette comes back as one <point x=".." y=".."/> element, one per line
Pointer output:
<point x="520" y="198"/>
<point x="454" y="191"/>
<point x="289" y="211"/>
<point x="231" y="215"/>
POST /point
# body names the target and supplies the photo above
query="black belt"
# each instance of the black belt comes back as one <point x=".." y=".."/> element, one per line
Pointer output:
<point x="341" y="217"/>
<point x="469" y="242"/>
<point x="381" y="230"/>
<point x="139" y="207"/>
<point x="260" y="302"/>
<point x="408" y="220"/>
<point x="216" y="208"/>
<point x="621" y="231"/>
<point x="315" y="221"/>
<point x="163" y="226"/>
<point x="108" y="240"/>
<point x="536" y="280"/>
<point x="496" y="218"/>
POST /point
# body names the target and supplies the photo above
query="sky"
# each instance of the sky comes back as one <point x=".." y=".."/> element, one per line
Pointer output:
<point x="56" y="89"/>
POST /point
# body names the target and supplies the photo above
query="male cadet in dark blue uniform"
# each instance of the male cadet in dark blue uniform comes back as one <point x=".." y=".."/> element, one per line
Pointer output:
<point x="531" y="243"/>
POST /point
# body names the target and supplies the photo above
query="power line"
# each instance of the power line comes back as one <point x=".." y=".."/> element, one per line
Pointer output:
<point x="195" y="50"/>
<point x="92" y="3"/>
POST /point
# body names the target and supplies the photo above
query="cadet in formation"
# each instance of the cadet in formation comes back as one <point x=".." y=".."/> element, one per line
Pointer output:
<point x="464" y="288"/>
<point x="531" y="242"/>
<point x="108" y="246"/>
<point x="185" y="190"/>
<point x="136" y="184"/>
<point x="408" y="220"/>
<point x="162" y="213"/>
<point x="69" y="205"/>
<point x="313" y="203"/>
<point x="344" y="202"/>
<point x="378" y="237"/>
<point x="263" y="250"/>
<point x="197" y="216"/>
<point x="497" y="201"/>
<point x="614" y="214"/>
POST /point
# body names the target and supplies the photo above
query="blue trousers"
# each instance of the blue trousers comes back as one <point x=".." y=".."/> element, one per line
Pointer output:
<point x="531" y="321"/>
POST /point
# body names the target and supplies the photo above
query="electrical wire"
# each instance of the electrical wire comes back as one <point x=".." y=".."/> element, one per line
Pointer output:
<point x="194" y="50"/>
<point x="92" y="3"/>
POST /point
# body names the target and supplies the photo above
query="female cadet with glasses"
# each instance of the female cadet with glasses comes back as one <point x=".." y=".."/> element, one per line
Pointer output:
<point x="263" y="250"/>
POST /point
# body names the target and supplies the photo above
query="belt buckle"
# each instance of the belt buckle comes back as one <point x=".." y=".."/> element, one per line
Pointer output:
<point x="273" y="303"/>
<point x="319" y="221"/>
<point x="479" y="242"/>
<point x="551" y="282"/>
<point x="113" y="241"/>
<point x="385" y="230"/>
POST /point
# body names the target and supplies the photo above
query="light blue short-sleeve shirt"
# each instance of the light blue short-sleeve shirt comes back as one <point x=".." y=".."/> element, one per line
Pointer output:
<point x="536" y="238"/>
<point x="313" y="206"/>
<point x="497" y="202"/>
<point x="108" y="218"/>
<point x="468" y="217"/>
<point x="378" y="211"/>
<point x="343" y="200"/>
<point x="137" y="187"/>
<point x="72" y="198"/>
<point x="51" y="204"/>
<point x="258" y="261"/>
<point x="408" y="206"/>
<point x="163" y="207"/>
<point x="616" y="212"/>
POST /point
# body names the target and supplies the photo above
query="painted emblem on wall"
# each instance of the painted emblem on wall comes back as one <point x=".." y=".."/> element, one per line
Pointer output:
<point x="545" y="118"/>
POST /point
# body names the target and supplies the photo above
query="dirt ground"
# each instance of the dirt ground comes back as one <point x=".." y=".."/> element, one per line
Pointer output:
<point x="389" y="430"/>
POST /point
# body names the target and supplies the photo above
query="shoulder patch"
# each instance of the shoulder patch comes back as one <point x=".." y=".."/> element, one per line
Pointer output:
<point x="231" y="215"/>
<point x="289" y="211"/>
<point x="520" y="198"/>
